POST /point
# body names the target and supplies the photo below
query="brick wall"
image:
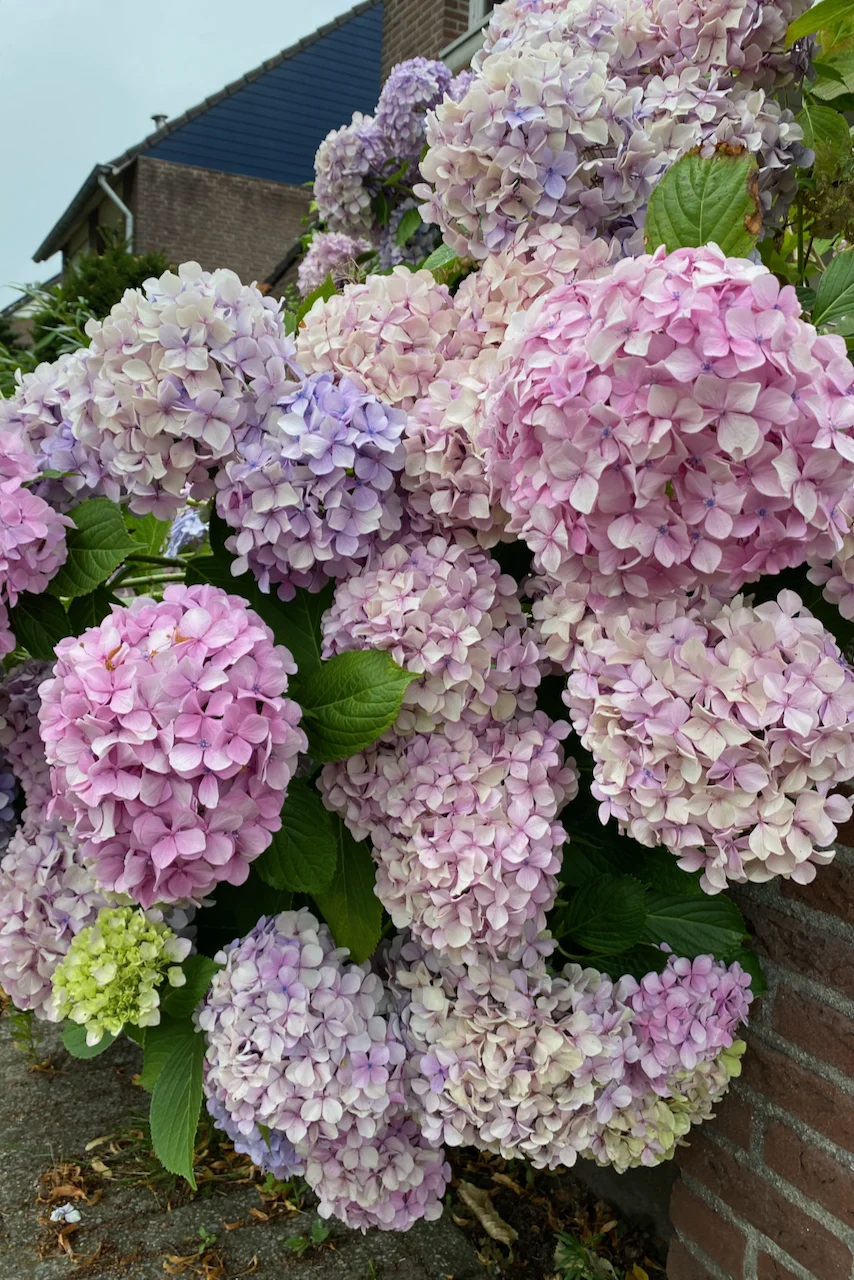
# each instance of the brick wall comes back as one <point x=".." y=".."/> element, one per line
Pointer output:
<point x="420" y="28"/>
<point x="217" y="219"/>
<point x="767" y="1190"/>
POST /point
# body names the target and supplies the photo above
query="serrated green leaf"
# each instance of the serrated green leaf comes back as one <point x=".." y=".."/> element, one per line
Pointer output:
<point x="440" y="258"/>
<point x="39" y="623"/>
<point x="303" y="855"/>
<point x="407" y="227"/>
<point x="350" y="906"/>
<point x="290" y="322"/>
<point x="637" y="961"/>
<point x="87" y="611"/>
<point x="74" y="1039"/>
<point x="179" y="1002"/>
<point x="828" y="13"/>
<point x="297" y="624"/>
<point x="835" y="296"/>
<point x="349" y="701"/>
<point x="149" y="534"/>
<point x="97" y="545"/>
<point x="605" y="916"/>
<point x="823" y="126"/>
<point x="694" y="926"/>
<point x="706" y="200"/>
<point x="176" y="1102"/>
<point x="660" y="870"/>
<point x="159" y="1043"/>
<point x="586" y="859"/>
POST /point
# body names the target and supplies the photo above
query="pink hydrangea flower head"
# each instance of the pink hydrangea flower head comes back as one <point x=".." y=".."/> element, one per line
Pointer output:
<point x="32" y="534"/>
<point x="20" y="740"/>
<point x="47" y="895"/>
<point x="464" y="828"/>
<point x="674" y="423"/>
<point x="312" y="495"/>
<point x="388" y="335"/>
<point x="171" y="742"/>
<point x="449" y="614"/>
<point x="721" y="732"/>
<point x="178" y="371"/>
<point x="331" y="253"/>
<point x="836" y="578"/>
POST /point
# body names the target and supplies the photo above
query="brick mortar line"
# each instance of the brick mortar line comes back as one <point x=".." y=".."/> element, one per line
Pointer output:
<point x="824" y="1070"/>
<point x="765" y="1109"/>
<point x="811" y="917"/>
<point x="715" y="1271"/>
<point x="778" y="975"/>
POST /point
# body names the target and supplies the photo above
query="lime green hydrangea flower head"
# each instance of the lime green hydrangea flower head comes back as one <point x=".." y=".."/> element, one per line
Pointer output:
<point x="113" y="970"/>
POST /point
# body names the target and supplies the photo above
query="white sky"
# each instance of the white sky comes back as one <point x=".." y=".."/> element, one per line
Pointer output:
<point x="81" y="79"/>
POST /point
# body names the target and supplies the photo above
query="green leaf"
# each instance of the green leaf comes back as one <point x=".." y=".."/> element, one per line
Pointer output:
<point x="660" y="870"/>
<point x="179" y="1002"/>
<point x="159" y="1043"/>
<point x="304" y="853"/>
<point x="823" y="126"/>
<point x="74" y="1039"/>
<point x="350" y="906"/>
<point x="606" y="915"/>
<point x="707" y="200"/>
<point x="148" y="533"/>
<point x="828" y="13"/>
<point x="97" y="545"/>
<point x="407" y="227"/>
<point x="87" y="611"/>
<point x="176" y="1102"/>
<point x="297" y="624"/>
<point x="588" y="859"/>
<point x="694" y="926"/>
<point x="39" y="623"/>
<point x="638" y="961"/>
<point x="440" y="258"/>
<point x="324" y="291"/>
<point x="349" y="701"/>
<point x="290" y="322"/>
<point x="835" y="79"/>
<point x="835" y="297"/>
<point x="749" y="961"/>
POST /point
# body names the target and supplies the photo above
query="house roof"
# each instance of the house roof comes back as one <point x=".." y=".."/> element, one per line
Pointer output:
<point x="269" y="122"/>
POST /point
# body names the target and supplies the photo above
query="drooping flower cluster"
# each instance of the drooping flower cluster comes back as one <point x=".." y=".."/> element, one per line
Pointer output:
<point x="20" y="740"/>
<point x="387" y="334"/>
<point x="47" y="895"/>
<point x="447" y="613"/>
<point x="8" y="794"/>
<point x="523" y="1063"/>
<point x="113" y="971"/>
<point x="720" y="732"/>
<point x="298" y="1042"/>
<point x="411" y="89"/>
<point x="673" y="423"/>
<point x="172" y="742"/>
<point x="270" y="1151"/>
<point x="178" y="370"/>
<point x="331" y="253"/>
<point x="463" y="826"/>
<point x="312" y="495"/>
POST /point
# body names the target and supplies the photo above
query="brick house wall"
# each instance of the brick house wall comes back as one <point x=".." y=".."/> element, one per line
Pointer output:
<point x="767" y="1189"/>
<point x="214" y="218"/>
<point x="420" y="28"/>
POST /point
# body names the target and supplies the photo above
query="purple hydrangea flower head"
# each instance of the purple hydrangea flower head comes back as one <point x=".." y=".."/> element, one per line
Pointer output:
<point x="721" y="732"/>
<point x="272" y="1154"/>
<point x="171" y="742"/>
<point x="331" y="253"/>
<point x="312" y="495"/>
<point x="20" y="740"/>
<point x="346" y="167"/>
<point x="188" y="532"/>
<point x="411" y="88"/>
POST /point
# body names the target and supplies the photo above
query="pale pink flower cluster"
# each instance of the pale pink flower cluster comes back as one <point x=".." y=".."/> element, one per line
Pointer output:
<point x="837" y="578"/>
<point x="388" y="335"/>
<point x="447" y="613"/>
<point x="523" y="1063"/>
<point x="171" y="742"/>
<point x="331" y="253"/>
<point x="47" y="895"/>
<point x="673" y="423"/>
<point x="721" y="732"/>
<point x="177" y="371"/>
<point x="464" y="830"/>
<point x="299" y="1042"/>
<point x="20" y="740"/>
<point x="32" y="534"/>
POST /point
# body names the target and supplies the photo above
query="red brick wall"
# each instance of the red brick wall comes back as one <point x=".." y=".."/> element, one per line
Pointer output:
<point x="217" y="219"/>
<point x="420" y="28"/>
<point x="767" y="1190"/>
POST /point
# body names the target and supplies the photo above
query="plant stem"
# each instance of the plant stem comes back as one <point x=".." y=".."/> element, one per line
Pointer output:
<point x="152" y="581"/>
<point x="133" y="558"/>
<point x="801" y="260"/>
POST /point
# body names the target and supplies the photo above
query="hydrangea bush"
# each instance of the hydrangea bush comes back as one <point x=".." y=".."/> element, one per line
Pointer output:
<point x="443" y="650"/>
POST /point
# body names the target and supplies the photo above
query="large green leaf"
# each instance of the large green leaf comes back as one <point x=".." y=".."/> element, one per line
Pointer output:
<point x="39" y="623"/>
<point x="176" y="1101"/>
<point x="303" y="855"/>
<point x="835" y="298"/>
<point x="605" y="916"/>
<point x="349" y="906"/>
<point x="827" y="14"/>
<point x="440" y="258"/>
<point x="87" y="611"/>
<point x="158" y="1043"/>
<point x="824" y="127"/>
<point x="707" y="200"/>
<point x="835" y="81"/>
<point x="408" y="225"/>
<point x="74" y="1039"/>
<point x="659" y="869"/>
<point x="97" y="545"/>
<point x="179" y="1002"/>
<point x="638" y="961"/>
<point x="694" y="926"/>
<point x="149" y="534"/>
<point x="349" y="701"/>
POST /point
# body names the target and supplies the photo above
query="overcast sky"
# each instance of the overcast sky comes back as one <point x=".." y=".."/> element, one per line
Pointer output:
<point x="81" y="79"/>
